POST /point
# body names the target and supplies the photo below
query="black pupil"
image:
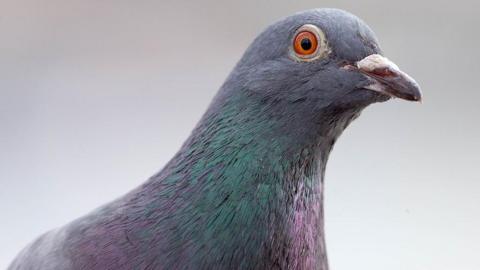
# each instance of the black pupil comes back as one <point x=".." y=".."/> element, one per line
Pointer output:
<point x="306" y="44"/>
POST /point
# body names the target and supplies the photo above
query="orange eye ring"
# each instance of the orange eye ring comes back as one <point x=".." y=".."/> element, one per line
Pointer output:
<point x="309" y="43"/>
<point x="305" y="43"/>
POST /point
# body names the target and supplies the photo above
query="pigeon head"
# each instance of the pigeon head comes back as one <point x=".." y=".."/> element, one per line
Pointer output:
<point x="315" y="64"/>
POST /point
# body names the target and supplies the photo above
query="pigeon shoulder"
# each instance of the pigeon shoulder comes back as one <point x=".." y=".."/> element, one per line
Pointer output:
<point x="45" y="252"/>
<point x="53" y="250"/>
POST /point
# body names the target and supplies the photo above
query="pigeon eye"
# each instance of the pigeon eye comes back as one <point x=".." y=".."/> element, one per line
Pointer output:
<point x="308" y="43"/>
<point x="305" y="43"/>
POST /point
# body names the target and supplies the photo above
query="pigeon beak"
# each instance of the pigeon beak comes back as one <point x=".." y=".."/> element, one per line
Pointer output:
<point x="388" y="79"/>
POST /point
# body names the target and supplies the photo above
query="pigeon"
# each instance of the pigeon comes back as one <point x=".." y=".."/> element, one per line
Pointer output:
<point x="245" y="191"/>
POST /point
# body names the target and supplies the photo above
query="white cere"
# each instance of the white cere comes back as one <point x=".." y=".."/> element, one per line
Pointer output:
<point x="376" y="62"/>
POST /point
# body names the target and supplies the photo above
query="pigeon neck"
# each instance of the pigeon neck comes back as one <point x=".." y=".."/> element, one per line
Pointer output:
<point x="255" y="187"/>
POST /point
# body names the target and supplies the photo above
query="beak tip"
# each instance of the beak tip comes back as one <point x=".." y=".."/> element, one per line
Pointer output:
<point x="414" y="96"/>
<point x="419" y="99"/>
<point x="417" y="96"/>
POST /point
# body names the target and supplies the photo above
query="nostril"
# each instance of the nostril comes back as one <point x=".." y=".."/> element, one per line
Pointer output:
<point x="383" y="72"/>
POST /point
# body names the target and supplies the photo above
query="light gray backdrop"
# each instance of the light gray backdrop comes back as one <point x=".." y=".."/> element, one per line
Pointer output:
<point x="96" y="96"/>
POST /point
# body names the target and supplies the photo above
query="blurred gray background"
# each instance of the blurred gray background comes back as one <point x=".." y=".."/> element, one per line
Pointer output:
<point x="96" y="96"/>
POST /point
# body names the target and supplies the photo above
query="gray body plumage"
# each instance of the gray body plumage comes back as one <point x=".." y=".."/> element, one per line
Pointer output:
<point x="245" y="190"/>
